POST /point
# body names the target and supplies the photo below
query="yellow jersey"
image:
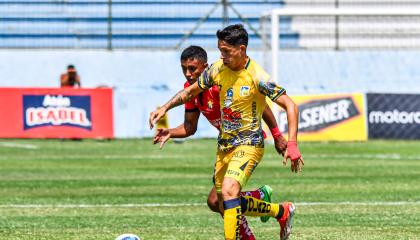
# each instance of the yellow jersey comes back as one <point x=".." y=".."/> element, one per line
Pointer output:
<point x="242" y="102"/>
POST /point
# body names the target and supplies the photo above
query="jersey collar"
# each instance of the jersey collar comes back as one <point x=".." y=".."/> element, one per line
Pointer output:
<point x="247" y="64"/>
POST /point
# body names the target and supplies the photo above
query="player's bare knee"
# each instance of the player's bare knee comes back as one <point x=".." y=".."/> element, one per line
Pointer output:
<point x="230" y="188"/>
<point x="213" y="203"/>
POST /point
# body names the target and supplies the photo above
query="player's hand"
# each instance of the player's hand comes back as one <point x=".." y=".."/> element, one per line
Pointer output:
<point x="296" y="160"/>
<point x="281" y="145"/>
<point x="162" y="136"/>
<point x="155" y="116"/>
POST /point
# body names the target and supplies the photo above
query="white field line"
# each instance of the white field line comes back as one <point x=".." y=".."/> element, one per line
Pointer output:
<point x="151" y="205"/>
<point x="18" y="145"/>
<point x="308" y="156"/>
<point x="364" y="156"/>
<point x="77" y="157"/>
<point x="145" y="205"/>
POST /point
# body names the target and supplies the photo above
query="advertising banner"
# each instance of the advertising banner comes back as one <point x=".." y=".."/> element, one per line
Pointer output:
<point x="395" y="116"/>
<point x="56" y="113"/>
<point x="335" y="117"/>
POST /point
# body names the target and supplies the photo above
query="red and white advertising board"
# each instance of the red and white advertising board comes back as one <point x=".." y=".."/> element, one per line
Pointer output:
<point x="56" y="113"/>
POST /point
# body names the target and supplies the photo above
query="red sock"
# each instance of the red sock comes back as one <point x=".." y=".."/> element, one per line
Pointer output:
<point x="255" y="194"/>
<point x="246" y="232"/>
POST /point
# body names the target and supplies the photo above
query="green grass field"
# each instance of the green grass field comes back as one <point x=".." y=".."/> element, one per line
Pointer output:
<point x="52" y="189"/>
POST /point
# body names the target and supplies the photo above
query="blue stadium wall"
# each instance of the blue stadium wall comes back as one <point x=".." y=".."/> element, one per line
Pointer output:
<point x="144" y="79"/>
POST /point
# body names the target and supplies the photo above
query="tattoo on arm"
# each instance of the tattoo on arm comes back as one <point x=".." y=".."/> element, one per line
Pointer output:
<point x="177" y="100"/>
<point x="188" y="96"/>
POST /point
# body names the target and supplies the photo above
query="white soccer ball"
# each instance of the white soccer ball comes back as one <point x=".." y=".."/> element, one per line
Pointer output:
<point x="128" y="236"/>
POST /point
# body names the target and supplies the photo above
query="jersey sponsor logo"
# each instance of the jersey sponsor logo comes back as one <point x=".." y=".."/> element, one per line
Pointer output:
<point x="233" y="172"/>
<point x="319" y="114"/>
<point x="231" y="119"/>
<point x="239" y="154"/>
<point x="255" y="121"/>
<point x="56" y="110"/>
<point x="244" y="91"/>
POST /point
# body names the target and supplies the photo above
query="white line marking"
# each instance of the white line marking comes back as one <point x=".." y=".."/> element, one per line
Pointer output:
<point x="363" y="156"/>
<point x="401" y="203"/>
<point x="145" y="205"/>
<point x="151" y="157"/>
<point x="140" y="157"/>
<point x="18" y="145"/>
<point x="151" y="205"/>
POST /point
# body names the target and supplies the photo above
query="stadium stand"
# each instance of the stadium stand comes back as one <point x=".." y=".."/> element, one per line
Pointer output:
<point x="134" y="24"/>
<point x="378" y="32"/>
<point x="97" y="24"/>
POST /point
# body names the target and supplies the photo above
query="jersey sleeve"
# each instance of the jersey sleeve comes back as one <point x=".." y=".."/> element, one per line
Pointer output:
<point x="266" y="86"/>
<point x="206" y="80"/>
<point x="190" y="105"/>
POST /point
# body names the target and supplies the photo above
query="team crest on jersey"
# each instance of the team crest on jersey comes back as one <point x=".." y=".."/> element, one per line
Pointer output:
<point x="229" y="97"/>
<point x="210" y="104"/>
<point x="229" y="93"/>
<point x="244" y="91"/>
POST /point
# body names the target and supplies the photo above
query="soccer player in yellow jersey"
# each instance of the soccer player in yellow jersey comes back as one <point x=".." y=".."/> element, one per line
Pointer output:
<point x="193" y="63"/>
<point x="243" y="87"/>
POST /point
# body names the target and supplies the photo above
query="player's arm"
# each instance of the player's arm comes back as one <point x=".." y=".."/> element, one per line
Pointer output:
<point x="292" y="112"/>
<point x="181" y="97"/>
<point x="280" y="142"/>
<point x="291" y="109"/>
<point x="188" y="128"/>
<point x="278" y="95"/>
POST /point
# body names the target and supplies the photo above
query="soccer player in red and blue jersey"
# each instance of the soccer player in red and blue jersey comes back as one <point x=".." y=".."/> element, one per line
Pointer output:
<point x="193" y="63"/>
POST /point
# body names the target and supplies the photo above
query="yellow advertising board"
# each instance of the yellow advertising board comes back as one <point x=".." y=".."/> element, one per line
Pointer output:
<point x="332" y="117"/>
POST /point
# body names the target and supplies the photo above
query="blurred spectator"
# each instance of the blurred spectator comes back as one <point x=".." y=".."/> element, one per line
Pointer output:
<point x="70" y="78"/>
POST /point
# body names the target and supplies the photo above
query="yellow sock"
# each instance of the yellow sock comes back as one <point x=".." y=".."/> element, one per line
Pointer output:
<point x="232" y="218"/>
<point x="255" y="207"/>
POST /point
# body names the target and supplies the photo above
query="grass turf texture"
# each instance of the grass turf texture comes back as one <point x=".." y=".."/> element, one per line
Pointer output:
<point x="49" y="189"/>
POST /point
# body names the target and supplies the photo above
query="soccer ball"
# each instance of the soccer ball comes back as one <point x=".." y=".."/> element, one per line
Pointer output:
<point x="128" y="236"/>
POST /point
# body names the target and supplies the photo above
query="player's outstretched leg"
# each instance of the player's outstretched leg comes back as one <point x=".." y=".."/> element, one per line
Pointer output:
<point x="263" y="193"/>
<point x="282" y="212"/>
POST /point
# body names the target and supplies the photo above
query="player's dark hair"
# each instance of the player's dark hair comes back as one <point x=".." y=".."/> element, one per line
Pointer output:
<point x="194" y="52"/>
<point x="233" y="35"/>
<point x="71" y="66"/>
